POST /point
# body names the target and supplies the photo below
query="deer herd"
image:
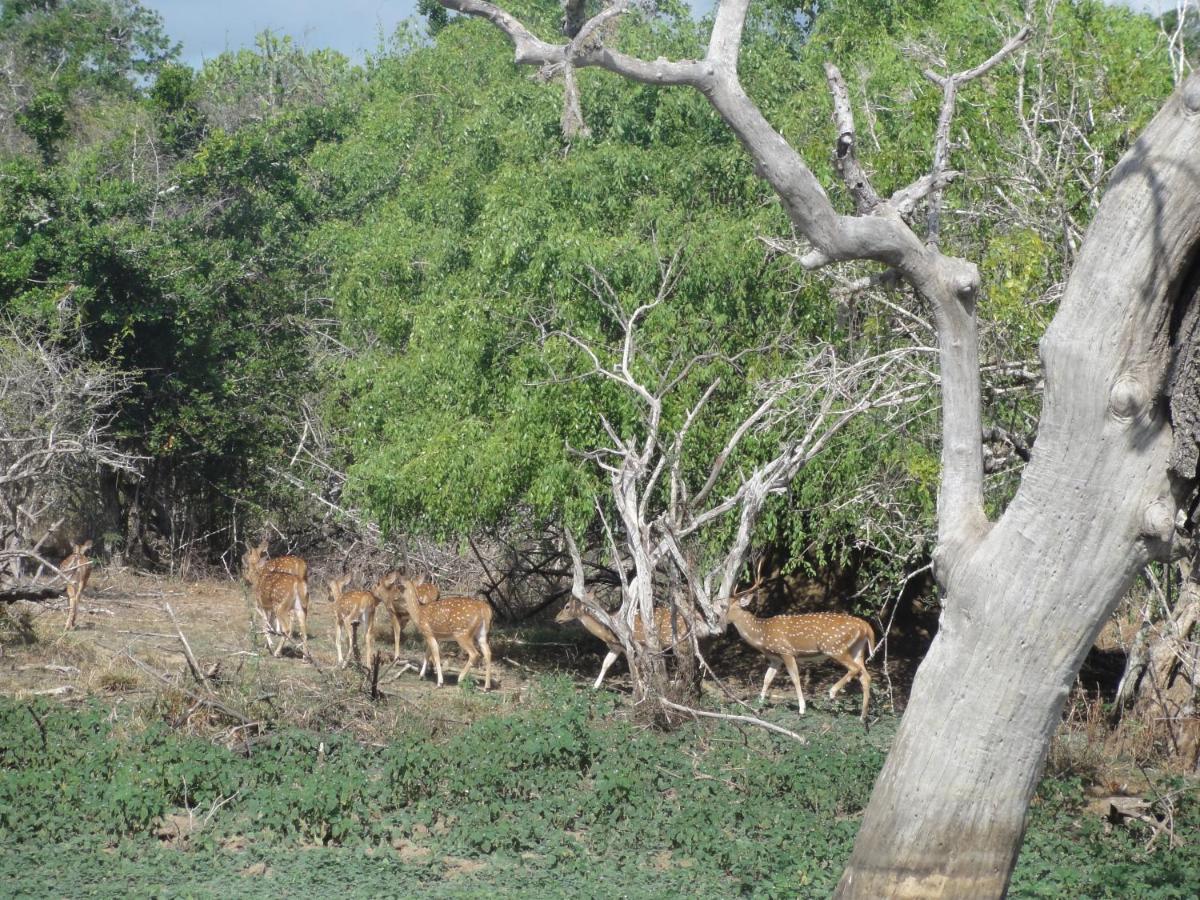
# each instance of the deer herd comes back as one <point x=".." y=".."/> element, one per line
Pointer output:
<point x="280" y="586"/>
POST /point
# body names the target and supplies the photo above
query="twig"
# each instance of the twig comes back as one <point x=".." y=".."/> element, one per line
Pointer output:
<point x="64" y="670"/>
<point x="217" y="805"/>
<point x="54" y="692"/>
<point x="154" y="634"/>
<point x="749" y="720"/>
<point x="197" y="672"/>
<point x="395" y="676"/>
<point x="40" y="724"/>
<point x="219" y="707"/>
<point x="513" y="662"/>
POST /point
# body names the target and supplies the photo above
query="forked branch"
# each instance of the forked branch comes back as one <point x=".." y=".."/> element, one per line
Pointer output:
<point x="941" y="149"/>
<point x="950" y="285"/>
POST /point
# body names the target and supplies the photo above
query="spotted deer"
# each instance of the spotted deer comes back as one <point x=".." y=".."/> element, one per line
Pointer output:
<point x="846" y="639"/>
<point x="672" y="629"/>
<point x="280" y="596"/>
<point x="256" y="561"/>
<point x="77" y="569"/>
<point x="391" y="594"/>
<point x="352" y="609"/>
<point x="465" y="620"/>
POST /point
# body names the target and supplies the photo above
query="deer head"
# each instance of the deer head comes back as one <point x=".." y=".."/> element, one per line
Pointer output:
<point x="574" y="608"/>
<point x="337" y="587"/>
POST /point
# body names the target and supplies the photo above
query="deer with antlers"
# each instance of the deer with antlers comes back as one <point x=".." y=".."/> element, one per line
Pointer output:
<point x="846" y="639"/>
<point x="465" y="620"/>
<point x="671" y="630"/>
<point x="350" y="610"/>
<point x="78" y="569"/>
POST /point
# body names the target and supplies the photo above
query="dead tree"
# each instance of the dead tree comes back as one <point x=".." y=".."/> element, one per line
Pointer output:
<point x="56" y="418"/>
<point x="654" y="515"/>
<point x="1025" y="595"/>
<point x="1161" y="683"/>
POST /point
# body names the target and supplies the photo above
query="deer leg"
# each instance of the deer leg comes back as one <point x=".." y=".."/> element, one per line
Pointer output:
<point x="608" y="661"/>
<point x="767" y="679"/>
<point x="271" y="629"/>
<point x="397" y="627"/>
<point x="432" y="644"/>
<point x="302" y="618"/>
<point x="865" y="680"/>
<point x="266" y="620"/>
<point x="467" y="643"/>
<point x="852" y="669"/>
<point x="73" y="603"/>
<point x="283" y="625"/>
<point x="368" y="621"/>
<point x="855" y="667"/>
<point x="790" y="662"/>
<point x="337" y="638"/>
<point x="487" y="657"/>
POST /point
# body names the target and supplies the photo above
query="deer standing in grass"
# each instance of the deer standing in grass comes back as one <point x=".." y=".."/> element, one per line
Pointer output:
<point x="671" y="630"/>
<point x="280" y="595"/>
<point x="392" y="596"/>
<point x="843" y="638"/>
<point x="350" y="610"/>
<point x="78" y="569"/>
<point x="465" y="620"/>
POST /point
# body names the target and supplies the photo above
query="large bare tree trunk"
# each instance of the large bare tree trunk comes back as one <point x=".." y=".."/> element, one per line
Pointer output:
<point x="1095" y="505"/>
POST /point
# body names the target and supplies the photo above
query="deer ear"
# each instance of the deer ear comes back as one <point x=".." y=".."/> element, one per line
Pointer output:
<point x="85" y="546"/>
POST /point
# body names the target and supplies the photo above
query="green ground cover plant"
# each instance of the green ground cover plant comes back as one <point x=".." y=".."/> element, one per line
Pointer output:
<point x="561" y="797"/>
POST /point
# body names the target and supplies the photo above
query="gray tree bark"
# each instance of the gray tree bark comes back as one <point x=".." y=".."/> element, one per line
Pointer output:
<point x="1026" y="601"/>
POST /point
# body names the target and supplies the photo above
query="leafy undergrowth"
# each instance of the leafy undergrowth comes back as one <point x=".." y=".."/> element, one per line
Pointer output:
<point x="559" y="797"/>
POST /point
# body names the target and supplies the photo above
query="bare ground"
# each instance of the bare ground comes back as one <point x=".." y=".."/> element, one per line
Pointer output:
<point x="127" y="645"/>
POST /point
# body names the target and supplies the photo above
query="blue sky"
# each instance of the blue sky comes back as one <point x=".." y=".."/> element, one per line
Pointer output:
<point x="207" y="27"/>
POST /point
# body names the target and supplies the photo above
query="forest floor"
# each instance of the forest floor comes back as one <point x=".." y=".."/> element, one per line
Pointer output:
<point x="124" y="774"/>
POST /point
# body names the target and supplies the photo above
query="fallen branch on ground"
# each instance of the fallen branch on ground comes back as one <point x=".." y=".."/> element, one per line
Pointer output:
<point x="749" y="720"/>
<point x="197" y="673"/>
<point x="204" y="701"/>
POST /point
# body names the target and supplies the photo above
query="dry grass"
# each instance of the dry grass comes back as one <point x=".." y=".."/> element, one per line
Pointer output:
<point x="126" y="649"/>
<point x="1113" y="758"/>
<point x="1080" y="747"/>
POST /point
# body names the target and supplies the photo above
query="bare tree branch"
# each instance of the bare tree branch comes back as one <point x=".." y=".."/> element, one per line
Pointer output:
<point x="950" y="284"/>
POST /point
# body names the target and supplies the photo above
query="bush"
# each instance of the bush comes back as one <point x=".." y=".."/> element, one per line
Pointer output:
<point x="559" y="796"/>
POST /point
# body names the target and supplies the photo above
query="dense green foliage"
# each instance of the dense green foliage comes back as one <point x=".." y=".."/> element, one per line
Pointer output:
<point x="163" y="225"/>
<point x="554" y="799"/>
<point x="401" y="248"/>
<point x="473" y="232"/>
